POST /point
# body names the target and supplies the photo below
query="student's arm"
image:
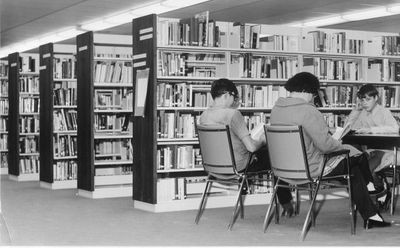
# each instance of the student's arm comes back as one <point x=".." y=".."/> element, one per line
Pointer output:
<point x="316" y="128"/>
<point x="240" y="129"/>
<point x="353" y="119"/>
<point x="389" y="123"/>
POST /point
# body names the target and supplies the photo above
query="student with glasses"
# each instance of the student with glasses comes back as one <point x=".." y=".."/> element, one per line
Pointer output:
<point x="369" y="116"/>
<point x="224" y="111"/>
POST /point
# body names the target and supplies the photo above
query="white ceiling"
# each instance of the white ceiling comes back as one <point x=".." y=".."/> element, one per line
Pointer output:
<point x="22" y="19"/>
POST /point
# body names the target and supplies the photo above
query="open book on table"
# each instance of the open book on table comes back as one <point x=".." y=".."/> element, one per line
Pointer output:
<point x="340" y="132"/>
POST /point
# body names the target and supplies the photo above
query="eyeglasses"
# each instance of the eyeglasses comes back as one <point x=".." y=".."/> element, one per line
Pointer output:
<point x="235" y="96"/>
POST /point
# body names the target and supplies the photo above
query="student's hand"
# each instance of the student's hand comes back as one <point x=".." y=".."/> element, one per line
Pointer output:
<point x="363" y="130"/>
<point x="358" y="106"/>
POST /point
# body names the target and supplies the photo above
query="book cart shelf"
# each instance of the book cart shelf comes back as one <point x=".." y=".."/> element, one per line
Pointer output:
<point x="3" y="116"/>
<point x="104" y="83"/>
<point x="58" y="114"/>
<point x="167" y="166"/>
<point x="23" y="97"/>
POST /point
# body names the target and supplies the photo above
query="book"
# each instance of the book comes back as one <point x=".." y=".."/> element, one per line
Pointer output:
<point x="257" y="132"/>
<point x="340" y="132"/>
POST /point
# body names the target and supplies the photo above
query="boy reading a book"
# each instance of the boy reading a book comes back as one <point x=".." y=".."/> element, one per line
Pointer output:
<point x="224" y="111"/>
<point x="370" y="117"/>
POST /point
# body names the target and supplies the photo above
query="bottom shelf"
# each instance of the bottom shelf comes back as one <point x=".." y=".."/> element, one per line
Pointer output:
<point x="67" y="184"/>
<point x="4" y="171"/>
<point x="227" y="201"/>
<point x="25" y="177"/>
<point x="107" y="192"/>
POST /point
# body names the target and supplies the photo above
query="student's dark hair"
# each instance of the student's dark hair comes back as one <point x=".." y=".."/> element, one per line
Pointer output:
<point x="367" y="90"/>
<point x="222" y="86"/>
<point x="303" y="82"/>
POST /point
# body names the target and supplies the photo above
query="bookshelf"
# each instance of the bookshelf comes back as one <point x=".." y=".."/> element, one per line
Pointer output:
<point x="259" y="59"/>
<point x="3" y="116"/>
<point x="58" y="114"/>
<point x="23" y="97"/>
<point x="104" y="81"/>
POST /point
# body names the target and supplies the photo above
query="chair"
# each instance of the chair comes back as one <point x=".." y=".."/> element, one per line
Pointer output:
<point x="219" y="164"/>
<point x="292" y="171"/>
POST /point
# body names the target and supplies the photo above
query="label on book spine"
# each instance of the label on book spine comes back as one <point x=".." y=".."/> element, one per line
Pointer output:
<point x="139" y="56"/>
<point x="146" y="37"/>
<point x="146" y="30"/>
<point x="13" y="64"/>
<point x="46" y="55"/>
<point x="43" y="67"/>
<point x="139" y="64"/>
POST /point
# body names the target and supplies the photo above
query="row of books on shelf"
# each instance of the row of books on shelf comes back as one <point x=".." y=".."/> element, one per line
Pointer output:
<point x="176" y="125"/>
<point x="255" y="66"/>
<point x="3" y="87"/>
<point x="29" y="145"/>
<point x="113" y="149"/>
<point x="3" y="69"/>
<point x="65" y="170"/>
<point x="113" y="52"/>
<point x="3" y="141"/>
<point x="346" y="96"/>
<point x="113" y="99"/>
<point x="64" y="120"/>
<point x="28" y="63"/>
<point x="190" y="65"/>
<point x="64" y="67"/>
<point x="115" y="171"/>
<point x="65" y="145"/>
<point x="178" y="157"/>
<point x="260" y="96"/>
<point x="113" y="122"/>
<point x="65" y="94"/>
<point x="4" y="106"/>
<point x="113" y="72"/>
<point x="29" y="165"/>
<point x="29" y="105"/>
<point x="4" y="160"/>
<point x="169" y="189"/>
<point x="333" y="69"/>
<point x="256" y="119"/>
<point x="336" y="42"/>
<point x="199" y="30"/>
<point x="383" y="70"/>
<point x="28" y="124"/>
<point x="335" y="120"/>
<point x="29" y="84"/>
<point x="195" y="94"/>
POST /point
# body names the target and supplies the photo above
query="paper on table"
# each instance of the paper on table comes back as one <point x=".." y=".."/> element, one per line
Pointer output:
<point x="257" y="131"/>
<point x="340" y="132"/>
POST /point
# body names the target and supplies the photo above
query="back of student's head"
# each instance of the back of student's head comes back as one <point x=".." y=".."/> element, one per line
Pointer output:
<point x="222" y="86"/>
<point x="367" y="90"/>
<point x="303" y="82"/>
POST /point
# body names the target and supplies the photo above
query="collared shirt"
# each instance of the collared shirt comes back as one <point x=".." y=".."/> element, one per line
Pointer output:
<point x="379" y="120"/>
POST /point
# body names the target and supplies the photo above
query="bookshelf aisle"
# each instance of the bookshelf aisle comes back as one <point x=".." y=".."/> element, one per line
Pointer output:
<point x="185" y="55"/>
<point x="105" y="88"/>
<point x="58" y="116"/>
<point x="23" y="116"/>
<point x="3" y="116"/>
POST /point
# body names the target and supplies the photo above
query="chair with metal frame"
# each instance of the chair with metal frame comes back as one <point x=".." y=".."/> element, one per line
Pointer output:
<point x="290" y="166"/>
<point x="219" y="163"/>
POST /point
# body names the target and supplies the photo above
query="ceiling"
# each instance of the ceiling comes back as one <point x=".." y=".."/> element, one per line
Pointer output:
<point x="23" y="19"/>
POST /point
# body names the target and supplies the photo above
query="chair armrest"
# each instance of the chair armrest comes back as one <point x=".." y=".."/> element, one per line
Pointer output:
<point x="337" y="153"/>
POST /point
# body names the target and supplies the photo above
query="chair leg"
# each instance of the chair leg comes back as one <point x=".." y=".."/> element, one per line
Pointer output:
<point x="353" y="213"/>
<point x="203" y="201"/>
<point x="237" y="208"/>
<point x="311" y="197"/>
<point x="394" y="180"/>
<point x="297" y="206"/>
<point x="310" y="212"/>
<point x="267" y="215"/>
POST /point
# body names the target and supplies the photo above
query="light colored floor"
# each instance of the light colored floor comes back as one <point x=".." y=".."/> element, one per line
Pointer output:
<point x="35" y="216"/>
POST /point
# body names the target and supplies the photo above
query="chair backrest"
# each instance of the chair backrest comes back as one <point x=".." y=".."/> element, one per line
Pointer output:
<point x="216" y="149"/>
<point x="287" y="152"/>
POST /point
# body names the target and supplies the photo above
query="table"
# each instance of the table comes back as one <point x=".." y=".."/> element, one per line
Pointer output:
<point x="379" y="141"/>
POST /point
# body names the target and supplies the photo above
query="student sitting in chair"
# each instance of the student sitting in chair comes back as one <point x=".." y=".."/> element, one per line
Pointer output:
<point x="298" y="109"/>
<point x="370" y="117"/>
<point x="224" y="111"/>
